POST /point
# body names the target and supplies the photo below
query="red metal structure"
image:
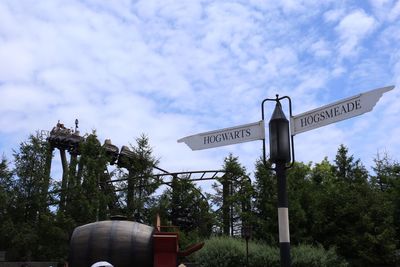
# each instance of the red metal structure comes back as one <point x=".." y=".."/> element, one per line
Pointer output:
<point x="165" y="249"/>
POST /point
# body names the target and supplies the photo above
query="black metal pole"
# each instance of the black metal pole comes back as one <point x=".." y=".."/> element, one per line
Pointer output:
<point x="283" y="215"/>
<point x="247" y="252"/>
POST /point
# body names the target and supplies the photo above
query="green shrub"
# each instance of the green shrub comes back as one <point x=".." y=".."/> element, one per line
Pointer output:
<point x="221" y="252"/>
<point x="315" y="256"/>
<point x="261" y="255"/>
<point x="225" y="251"/>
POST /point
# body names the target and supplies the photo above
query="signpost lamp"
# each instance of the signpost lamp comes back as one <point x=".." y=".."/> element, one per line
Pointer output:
<point x="279" y="143"/>
<point x="280" y="155"/>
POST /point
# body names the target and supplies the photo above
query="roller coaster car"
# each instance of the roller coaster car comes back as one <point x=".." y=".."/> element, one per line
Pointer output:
<point x="62" y="138"/>
<point x="111" y="151"/>
<point x="58" y="139"/>
<point x="125" y="158"/>
<point x="72" y="142"/>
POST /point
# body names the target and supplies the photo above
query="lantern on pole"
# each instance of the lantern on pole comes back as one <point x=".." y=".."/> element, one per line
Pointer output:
<point x="279" y="141"/>
<point x="280" y="148"/>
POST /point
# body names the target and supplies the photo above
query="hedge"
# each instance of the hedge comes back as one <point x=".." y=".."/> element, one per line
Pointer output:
<point x="231" y="252"/>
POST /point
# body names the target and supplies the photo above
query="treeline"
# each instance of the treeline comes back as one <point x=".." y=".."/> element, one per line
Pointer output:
<point x="335" y="204"/>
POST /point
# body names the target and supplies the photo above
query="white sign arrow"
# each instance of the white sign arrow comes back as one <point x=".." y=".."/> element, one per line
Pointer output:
<point x="228" y="136"/>
<point x="337" y="111"/>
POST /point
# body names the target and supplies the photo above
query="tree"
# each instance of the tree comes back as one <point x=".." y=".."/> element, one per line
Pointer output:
<point x="347" y="169"/>
<point x="385" y="173"/>
<point x="6" y="201"/>
<point x="31" y="168"/>
<point x="300" y="198"/>
<point x="386" y="182"/>
<point x="343" y="163"/>
<point x="348" y="214"/>
<point x="31" y="217"/>
<point x="141" y="183"/>
<point x="234" y="198"/>
<point x="85" y="201"/>
<point x="265" y="204"/>
<point x="188" y="208"/>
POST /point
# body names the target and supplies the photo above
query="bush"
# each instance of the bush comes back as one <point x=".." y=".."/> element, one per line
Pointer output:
<point x="261" y="255"/>
<point x="226" y="251"/>
<point x="221" y="252"/>
<point x="315" y="256"/>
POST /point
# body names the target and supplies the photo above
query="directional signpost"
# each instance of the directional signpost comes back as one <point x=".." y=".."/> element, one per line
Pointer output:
<point x="337" y="111"/>
<point x="228" y="136"/>
<point x="331" y="113"/>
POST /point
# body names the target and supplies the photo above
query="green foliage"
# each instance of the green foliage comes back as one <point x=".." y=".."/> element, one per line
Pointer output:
<point x="300" y="199"/>
<point x="184" y="205"/>
<point x="27" y="219"/>
<point x="386" y="183"/>
<point x="233" y="200"/>
<point x="224" y="251"/>
<point x="31" y="168"/>
<point x="189" y="238"/>
<point x="316" y="256"/>
<point x="265" y="204"/>
<point x="85" y="202"/>
<point x="348" y="170"/>
<point x="347" y="213"/>
<point x="261" y="255"/>
<point x="221" y="252"/>
<point x="6" y="199"/>
<point x="141" y="184"/>
<point x="335" y="204"/>
<point x="189" y="208"/>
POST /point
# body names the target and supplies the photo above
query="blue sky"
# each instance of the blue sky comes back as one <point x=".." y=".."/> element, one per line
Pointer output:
<point x="173" y="68"/>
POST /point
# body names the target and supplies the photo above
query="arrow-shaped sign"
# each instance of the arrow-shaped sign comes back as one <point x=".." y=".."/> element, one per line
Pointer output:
<point x="228" y="136"/>
<point x="337" y="111"/>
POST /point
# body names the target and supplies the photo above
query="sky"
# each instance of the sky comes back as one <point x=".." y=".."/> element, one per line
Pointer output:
<point x="174" y="68"/>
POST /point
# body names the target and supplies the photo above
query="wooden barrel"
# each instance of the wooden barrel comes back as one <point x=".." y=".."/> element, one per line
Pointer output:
<point x="121" y="243"/>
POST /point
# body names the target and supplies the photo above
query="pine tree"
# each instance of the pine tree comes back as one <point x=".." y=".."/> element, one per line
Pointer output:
<point x="31" y="168"/>
<point x="85" y="200"/>
<point x="346" y="169"/>
<point x="265" y="204"/>
<point x="141" y="183"/>
<point x="386" y="182"/>
<point x="234" y="198"/>
<point x="30" y="212"/>
<point x="349" y="214"/>
<point x="384" y="173"/>
<point x="300" y="198"/>
<point x="7" y="182"/>
<point x="188" y="207"/>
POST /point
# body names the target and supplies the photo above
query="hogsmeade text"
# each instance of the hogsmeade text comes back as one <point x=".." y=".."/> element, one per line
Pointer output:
<point x="331" y="112"/>
<point x="226" y="136"/>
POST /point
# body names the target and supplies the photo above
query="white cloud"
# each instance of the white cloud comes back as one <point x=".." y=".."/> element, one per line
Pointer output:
<point x="352" y="29"/>
<point x="319" y="143"/>
<point x="334" y="15"/>
<point x="18" y="56"/>
<point x="321" y="49"/>
<point x="386" y="10"/>
<point x="338" y="71"/>
<point x="395" y="12"/>
<point x="174" y="68"/>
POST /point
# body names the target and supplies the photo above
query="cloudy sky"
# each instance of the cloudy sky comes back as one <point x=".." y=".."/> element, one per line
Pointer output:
<point x="173" y="68"/>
